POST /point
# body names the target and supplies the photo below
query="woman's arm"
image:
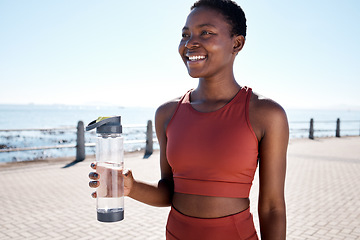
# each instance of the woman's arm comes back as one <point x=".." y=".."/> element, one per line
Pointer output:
<point x="160" y="195"/>
<point x="272" y="121"/>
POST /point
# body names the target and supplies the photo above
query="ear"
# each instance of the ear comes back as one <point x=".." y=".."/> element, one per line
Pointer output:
<point x="239" y="42"/>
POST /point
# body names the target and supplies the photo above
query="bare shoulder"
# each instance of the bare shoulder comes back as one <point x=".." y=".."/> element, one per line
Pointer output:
<point x="165" y="112"/>
<point x="266" y="114"/>
<point x="266" y="105"/>
<point x="168" y="106"/>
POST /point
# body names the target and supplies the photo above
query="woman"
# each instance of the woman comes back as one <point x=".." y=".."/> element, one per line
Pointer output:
<point x="212" y="139"/>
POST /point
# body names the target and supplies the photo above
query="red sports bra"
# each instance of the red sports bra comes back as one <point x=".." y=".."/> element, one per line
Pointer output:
<point x="213" y="153"/>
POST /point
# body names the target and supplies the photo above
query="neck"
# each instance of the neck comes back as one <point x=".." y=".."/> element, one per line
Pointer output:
<point x="216" y="89"/>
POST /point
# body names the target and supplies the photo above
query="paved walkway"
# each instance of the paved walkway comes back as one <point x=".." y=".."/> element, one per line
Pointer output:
<point x="46" y="201"/>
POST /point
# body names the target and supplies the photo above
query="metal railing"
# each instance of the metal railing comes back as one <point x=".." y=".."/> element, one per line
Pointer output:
<point x="80" y="139"/>
<point x="336" y="129"/>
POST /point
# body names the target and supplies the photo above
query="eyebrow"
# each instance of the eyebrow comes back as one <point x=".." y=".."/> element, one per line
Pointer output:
<point x="200" y="26"/>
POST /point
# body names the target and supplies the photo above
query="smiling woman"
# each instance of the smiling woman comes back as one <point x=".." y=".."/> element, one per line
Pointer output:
<point x="206" y="44"/>
<point x="213" y="137"/>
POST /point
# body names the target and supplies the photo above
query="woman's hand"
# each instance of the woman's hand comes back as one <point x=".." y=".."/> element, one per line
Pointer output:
<point x="128" y="182"/>
<point x="127" y="177"/>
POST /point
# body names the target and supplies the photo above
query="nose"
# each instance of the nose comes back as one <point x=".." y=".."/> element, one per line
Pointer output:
<point x="191" y="43"/>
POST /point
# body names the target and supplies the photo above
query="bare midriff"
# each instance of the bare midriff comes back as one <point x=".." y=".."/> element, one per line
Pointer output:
<point x="208" y="207"/>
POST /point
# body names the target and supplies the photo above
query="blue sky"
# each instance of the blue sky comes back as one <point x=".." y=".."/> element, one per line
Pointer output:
<point x="302" y="54"/>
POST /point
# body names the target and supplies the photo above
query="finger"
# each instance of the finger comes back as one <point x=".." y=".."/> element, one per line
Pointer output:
<point x="127" y="172"/>
<point x="93" y="165"/>
<point x="94" y="184"/>
<point x="94" y="195"/>
<point x="94" y="176"/>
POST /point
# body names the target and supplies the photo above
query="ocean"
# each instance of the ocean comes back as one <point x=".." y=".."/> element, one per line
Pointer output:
<point x="134" y="120"/>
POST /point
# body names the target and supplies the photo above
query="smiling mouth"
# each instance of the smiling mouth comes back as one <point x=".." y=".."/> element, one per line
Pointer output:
<point x="195" y="58"/>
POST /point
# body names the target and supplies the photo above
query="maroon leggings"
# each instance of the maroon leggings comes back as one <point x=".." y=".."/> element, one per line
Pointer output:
<point x="237" y="226"/>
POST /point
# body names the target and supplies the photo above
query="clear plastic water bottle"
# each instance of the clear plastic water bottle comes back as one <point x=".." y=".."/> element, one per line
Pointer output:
<point x="110" y="164"/>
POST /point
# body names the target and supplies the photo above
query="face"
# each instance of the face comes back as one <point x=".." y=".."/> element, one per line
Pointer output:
<point x="207" y="47"/>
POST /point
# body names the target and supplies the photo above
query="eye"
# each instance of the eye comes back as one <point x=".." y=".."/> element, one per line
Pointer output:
<point x="204" y="33"/>
<point x="185" y="35"/>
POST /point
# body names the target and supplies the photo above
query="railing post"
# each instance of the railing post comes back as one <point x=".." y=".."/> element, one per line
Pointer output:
<point x="149" y="140"/>
<point x="80" y="142"/>
<point x="311" y="130"/>
<point x="337" y="134"/>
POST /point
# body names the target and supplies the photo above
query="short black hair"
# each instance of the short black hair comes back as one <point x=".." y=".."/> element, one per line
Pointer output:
<point x="232" y="12"/>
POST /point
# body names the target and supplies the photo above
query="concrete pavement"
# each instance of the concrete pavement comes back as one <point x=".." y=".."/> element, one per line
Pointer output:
<point x="43" y="200"/>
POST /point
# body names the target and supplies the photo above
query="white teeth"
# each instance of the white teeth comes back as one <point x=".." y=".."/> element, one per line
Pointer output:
<point x="195" y="58"/>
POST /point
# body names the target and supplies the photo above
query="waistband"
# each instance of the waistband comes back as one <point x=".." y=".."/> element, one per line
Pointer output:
<point x="232" y="227"/>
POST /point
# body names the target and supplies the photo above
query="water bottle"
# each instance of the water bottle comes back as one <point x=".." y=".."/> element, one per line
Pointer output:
<point x="110" y="164"/>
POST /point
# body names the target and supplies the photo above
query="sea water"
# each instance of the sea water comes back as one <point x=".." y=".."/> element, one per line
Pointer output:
<point x="63" y="116"/>
<point x="324" y="122"/>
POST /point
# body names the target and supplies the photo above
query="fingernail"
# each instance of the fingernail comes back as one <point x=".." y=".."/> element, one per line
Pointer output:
<point x="92" y="164"/>
<point x="96" y="175"/>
